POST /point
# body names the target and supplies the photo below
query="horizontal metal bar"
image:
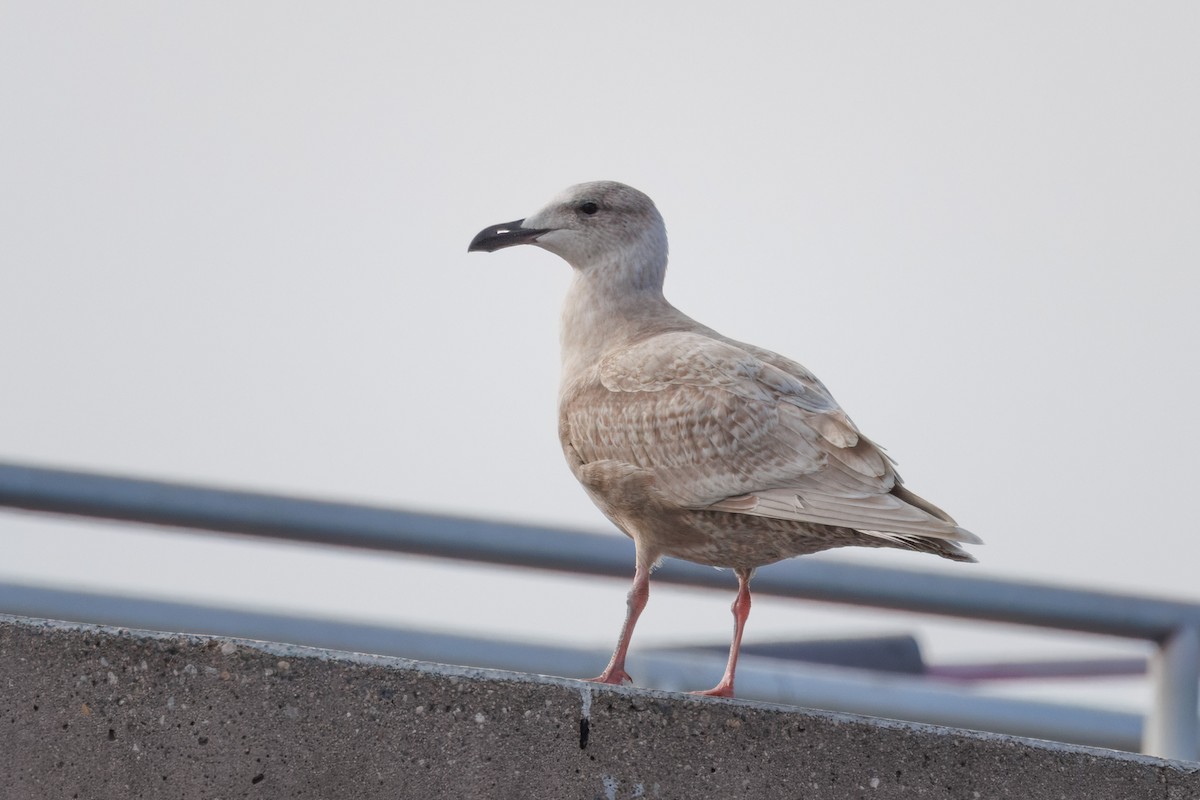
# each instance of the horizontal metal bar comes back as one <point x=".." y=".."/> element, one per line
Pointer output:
<point x="768" y="679"/>
<point x="145" y="613"/>
<point x="1039" y="670"/>
<point x="894" y="696"/>
<point x="182" y="506"/>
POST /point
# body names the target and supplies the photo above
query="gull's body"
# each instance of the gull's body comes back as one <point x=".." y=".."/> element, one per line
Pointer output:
<point x="693" y="444"/>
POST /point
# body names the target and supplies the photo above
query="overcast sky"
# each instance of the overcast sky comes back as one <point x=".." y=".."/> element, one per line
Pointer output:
<point x="233" y="251"/>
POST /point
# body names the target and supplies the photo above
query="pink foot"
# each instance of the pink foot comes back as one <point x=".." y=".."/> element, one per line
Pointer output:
<point x="722" y="689"/>
<point x="614" y="677"/>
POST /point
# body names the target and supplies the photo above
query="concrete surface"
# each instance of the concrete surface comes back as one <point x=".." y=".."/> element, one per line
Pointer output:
<point x="89" y="712"/>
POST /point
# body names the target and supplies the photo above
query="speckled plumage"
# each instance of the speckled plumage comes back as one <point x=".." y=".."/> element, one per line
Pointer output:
<point x="695" y="445"/>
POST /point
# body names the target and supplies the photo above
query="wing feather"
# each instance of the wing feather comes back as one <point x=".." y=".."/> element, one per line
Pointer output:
<point x="731" y="427"/>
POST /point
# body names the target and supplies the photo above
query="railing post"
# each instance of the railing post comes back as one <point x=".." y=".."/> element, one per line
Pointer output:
<point x="1173" y="726"/>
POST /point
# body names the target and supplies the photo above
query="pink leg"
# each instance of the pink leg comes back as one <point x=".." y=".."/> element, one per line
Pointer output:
<point x="741" y="610"/>
<point x="638" y="595"/>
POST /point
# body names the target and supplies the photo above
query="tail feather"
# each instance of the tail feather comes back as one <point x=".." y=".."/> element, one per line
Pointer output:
<point x="924" y="544"/>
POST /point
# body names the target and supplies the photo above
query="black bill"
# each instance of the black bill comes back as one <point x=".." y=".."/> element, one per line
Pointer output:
<point x="506" y="234"/>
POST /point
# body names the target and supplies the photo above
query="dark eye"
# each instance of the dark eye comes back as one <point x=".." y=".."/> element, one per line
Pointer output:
<point x="589" y="208"/>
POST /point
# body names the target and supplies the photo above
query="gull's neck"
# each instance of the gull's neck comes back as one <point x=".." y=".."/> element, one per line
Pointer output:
<point x="610" y="305"/>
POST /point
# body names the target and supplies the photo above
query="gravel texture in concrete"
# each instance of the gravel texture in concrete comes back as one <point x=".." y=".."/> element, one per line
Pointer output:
<point x="91" y="712"/>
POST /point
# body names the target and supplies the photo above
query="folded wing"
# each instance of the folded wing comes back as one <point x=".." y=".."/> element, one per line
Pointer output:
<point x="729" y="427"/>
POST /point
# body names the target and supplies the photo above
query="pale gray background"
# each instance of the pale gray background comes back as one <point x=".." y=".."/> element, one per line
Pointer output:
<point x="233" y="251"/>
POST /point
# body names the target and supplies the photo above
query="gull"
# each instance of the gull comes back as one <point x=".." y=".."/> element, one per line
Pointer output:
<point x="695" y="445"/>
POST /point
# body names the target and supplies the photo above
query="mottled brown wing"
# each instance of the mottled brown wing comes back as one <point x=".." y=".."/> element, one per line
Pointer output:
<point x="721" y="428"/>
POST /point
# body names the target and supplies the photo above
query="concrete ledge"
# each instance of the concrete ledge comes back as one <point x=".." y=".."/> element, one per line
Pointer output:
<point x="90" y="712"/>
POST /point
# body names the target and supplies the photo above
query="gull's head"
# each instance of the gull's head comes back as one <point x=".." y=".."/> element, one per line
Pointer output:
<point x="598" y="225"/>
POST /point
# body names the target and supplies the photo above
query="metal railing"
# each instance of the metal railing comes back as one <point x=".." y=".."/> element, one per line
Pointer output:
<point x="1172" y="727"/>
